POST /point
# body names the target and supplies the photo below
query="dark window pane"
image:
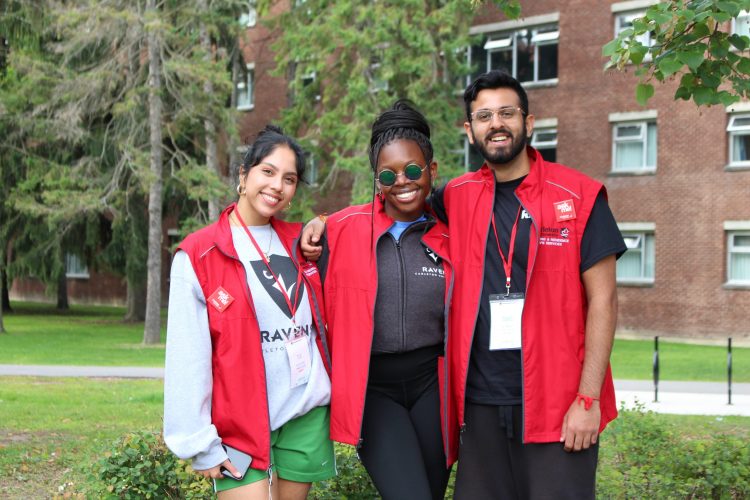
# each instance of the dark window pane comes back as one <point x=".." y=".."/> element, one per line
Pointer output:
<point x="502" y="59"/>
<point x="549" y="154"/>
<point x="525" y="57"/>
<point x="547" y="61"/>
<point x="478" y="60"/>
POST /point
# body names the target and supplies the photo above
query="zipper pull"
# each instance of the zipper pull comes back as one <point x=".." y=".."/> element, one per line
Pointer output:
<point x="270" y="481"/>
<point x="461" y="433"/>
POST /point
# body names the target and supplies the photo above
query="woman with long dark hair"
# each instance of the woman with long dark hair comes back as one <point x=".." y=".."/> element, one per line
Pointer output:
<point x="246" y="384"/>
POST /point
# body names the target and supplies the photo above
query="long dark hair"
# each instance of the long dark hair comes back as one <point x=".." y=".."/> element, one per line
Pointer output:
<point x="267" y="140"/>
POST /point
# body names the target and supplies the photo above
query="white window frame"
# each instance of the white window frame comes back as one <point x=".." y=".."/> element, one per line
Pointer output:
<point x="75" y="267"/>
<point x="313" y="169"/>
<point x="732" y="229"/>
<point x="737" y="130"/>
<point x="249" y="18"/>
<point x="743" y="16"/>
<point x="628" y="17"/>
<point x="247" y="82"/>
<point x="506" y="41"/>
<point x="635" y="236"/>
<point x="637" y="118"/>
<point x="544" y="127"/>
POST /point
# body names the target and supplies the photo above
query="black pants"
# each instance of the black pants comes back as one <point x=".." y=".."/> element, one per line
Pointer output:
<point x="402" y="446"/>
<point x="493" y="462"/>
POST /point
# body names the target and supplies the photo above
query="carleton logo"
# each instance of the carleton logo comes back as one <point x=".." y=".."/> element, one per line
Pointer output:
<point x="554" y="236"/>
<point x="564" y="232"/>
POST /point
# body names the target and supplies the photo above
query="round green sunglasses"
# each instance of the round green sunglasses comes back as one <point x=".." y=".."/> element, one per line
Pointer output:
<point x="412" y="171"/>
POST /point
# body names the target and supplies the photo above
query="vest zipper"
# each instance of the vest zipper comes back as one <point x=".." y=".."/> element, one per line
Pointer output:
<point x="529" y="269"/>
<point x="263" y="360"/>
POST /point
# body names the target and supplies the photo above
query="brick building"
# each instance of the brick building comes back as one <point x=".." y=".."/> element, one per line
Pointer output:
<point x="678" y="177"/>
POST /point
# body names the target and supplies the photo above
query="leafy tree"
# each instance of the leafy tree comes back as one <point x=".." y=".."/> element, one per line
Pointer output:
<point x="93" y="159"/>
<point x="348" y="61"/>
<point x="691" y="44"/>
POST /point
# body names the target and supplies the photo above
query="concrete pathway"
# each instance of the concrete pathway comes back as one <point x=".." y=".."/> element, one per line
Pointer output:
<point x="685" y="398"/>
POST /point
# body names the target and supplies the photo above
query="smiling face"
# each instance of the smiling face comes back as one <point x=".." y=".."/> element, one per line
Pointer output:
<point x="404" y="200"/>
<point x="500" y="141"/>
<point x="268" y="186"/>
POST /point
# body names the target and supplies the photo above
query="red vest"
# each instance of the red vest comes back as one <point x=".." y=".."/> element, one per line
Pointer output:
<point x="239" y="405"/>
<point x="554" y="315"/>
<point x="351" y="287"/>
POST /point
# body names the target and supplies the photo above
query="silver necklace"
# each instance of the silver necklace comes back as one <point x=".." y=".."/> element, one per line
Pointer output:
<point x="267" y="253"/>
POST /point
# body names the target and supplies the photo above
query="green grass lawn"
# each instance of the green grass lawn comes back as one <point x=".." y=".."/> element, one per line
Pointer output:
<point x="632" y="359"/>
<point x="52" y="430"/>
<point x="37" y="334"/>
<point x="92" y="335"/>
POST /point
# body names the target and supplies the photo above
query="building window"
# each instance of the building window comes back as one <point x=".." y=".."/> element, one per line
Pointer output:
<point x="545" y="141"/>
<point x="75" y="267"/>
<point x="739" y="140"/>
<point x="312" y="170"/>
<point x="529" y="54"/>
<point x="634" y="147"/>
<point x="637" y="263"/>
<point x="738" y="258"/>
<point x="246" y="88"/>
<point x="250" y="17"/>
<point x="624" y="21"/>
<point x="741" y="23"/>
<point x="377" y="82"/>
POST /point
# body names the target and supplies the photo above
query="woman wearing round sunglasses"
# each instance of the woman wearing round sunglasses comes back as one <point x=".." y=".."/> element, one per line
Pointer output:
<point x="386" y="282"/>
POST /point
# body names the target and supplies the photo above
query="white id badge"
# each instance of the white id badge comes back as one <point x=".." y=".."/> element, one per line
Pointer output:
<point x="505" y="321"/>
<point x="300" y="362"/>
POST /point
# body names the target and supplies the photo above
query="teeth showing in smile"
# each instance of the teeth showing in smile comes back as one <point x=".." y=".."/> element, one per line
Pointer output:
<point x="271" y="200"/>
<point x="407" y="196"/>
<point x="499" y="138"/>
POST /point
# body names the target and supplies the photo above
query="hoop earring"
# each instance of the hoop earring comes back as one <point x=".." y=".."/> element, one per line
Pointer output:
<point x="288" y="206"/>
<point x="240" y="189"/>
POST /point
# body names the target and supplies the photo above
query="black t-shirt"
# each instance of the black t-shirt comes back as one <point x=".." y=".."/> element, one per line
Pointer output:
<point x="495" y="376"/>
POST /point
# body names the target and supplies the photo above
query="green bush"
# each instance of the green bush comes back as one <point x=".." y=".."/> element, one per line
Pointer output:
<point x="140" y="466"/>
<point x="352" y="480"/>
<point x="643" y="456"/>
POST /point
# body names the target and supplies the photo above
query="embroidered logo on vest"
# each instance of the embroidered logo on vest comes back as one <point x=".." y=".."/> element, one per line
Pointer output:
<point x="565" y="210"/>
<point x="220" y="299"/>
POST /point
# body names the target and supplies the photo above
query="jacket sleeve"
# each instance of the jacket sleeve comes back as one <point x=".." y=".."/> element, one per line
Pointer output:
<point x="188" y="381"/>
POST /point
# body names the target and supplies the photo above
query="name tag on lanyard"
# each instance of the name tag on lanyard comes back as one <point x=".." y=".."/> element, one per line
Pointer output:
<point x="505" y="321"/>
<point x="300" y="360"/>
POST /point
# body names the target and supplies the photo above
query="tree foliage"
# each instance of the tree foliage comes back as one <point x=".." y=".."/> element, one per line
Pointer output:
<point x="348" y="61"/>
<point x="76" y="117"/>
<point x="692" y="44"/>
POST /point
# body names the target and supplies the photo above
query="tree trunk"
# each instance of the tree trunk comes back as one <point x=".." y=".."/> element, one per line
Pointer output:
<point x="5" y="291"/>
<point x="152" y="330"/>
<point x="136" y="301"/>
<point x="62" y="292"/>
<point x="212" y="161"/>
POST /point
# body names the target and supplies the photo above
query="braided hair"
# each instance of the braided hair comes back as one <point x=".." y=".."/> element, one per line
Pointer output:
<point x="400" y="121"/>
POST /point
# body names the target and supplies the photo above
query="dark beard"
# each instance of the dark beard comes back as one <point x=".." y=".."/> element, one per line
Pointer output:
<point x="501" y="157"/>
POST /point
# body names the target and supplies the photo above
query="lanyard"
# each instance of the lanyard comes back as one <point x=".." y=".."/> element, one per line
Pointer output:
<point x="292" y="306"/>
<point x="507" y="263"/>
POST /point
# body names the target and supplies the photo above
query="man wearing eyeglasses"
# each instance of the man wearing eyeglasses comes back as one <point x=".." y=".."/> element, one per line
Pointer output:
<point x="534" y="308"/>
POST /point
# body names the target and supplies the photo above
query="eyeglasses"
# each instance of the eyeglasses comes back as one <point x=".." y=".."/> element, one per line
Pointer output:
<point x="505" y="114"/>
<point x="412" y="171"/>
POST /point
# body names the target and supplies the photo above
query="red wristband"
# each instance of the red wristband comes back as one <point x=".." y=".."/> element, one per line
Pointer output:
<point x="587" y="400"/>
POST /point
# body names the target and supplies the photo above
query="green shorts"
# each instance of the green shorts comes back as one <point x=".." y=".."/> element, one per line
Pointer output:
<point x="301" y="451"/>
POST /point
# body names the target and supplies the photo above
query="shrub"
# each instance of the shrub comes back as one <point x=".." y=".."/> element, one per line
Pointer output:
<point x="140" y="466"/>
<point x="643" y="456"/>
<point x="352" y="480"/>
